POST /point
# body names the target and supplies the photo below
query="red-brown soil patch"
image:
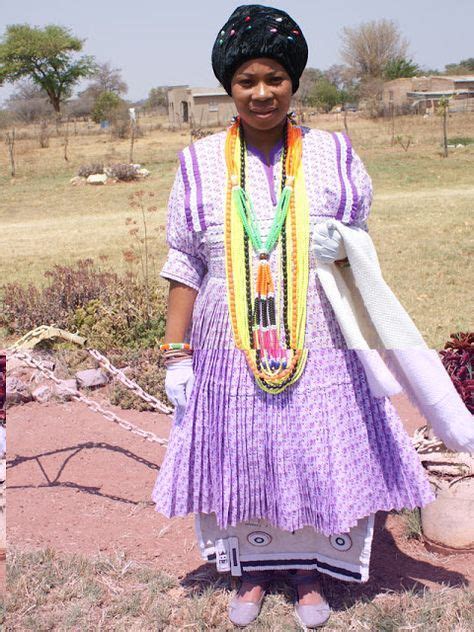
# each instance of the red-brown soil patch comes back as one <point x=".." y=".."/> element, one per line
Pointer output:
<point x="81" y="484"/>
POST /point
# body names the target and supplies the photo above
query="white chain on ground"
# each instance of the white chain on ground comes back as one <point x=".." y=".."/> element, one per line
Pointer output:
<point x="75" y="394"/>
<point x="133" y="386"/>
<point x="421" y="443"/>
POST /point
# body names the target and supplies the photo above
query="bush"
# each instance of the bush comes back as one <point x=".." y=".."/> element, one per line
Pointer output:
<point x="88" y="170"/>
<point x="69" y="287"/>
<point x="122" y="171"/>
<point x="112" y="312"/>
<point x="106" y="107"/>
<point x="120" y="321"/>
<point x="458" y="360"/>
<point x="148" y="371"/>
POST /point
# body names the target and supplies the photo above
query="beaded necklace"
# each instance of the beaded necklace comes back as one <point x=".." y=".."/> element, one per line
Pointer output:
<point x="275" y="366"/>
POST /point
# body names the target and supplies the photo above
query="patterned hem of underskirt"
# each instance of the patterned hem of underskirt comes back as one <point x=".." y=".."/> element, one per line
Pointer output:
<point x="341" y="527"/>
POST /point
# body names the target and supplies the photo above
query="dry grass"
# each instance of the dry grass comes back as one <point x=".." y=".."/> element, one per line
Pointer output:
<point x="421" y="220"/>
<point x="52" y="591"/>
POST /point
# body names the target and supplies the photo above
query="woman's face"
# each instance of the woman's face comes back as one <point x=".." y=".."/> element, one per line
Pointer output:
<point x="262" y="90"/>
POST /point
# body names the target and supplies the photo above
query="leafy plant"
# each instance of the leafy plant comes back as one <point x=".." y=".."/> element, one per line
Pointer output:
<point x="148" y="371"/>
<point x="400" y="67"/>
<point x="404" y="143"/>
<point x="458" y="360"/>
<point x="461" y="140"/>
<point x="106" y="107"/>
<point x="121" y="320"/>
<point x="122" y="171"/>
<point x="68" y="288"/>
<point x="88" y="170"/>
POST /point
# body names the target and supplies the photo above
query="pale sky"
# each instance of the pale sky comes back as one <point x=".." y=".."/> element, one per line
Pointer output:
<point x="158" y="42"/>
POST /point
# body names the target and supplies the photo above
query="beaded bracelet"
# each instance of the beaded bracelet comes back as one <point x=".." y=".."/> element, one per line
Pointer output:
<point x="175" y="346"/>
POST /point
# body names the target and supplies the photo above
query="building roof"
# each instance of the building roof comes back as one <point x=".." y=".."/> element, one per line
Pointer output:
<point x="437" y="94"/>
<point x="215" y="93"/>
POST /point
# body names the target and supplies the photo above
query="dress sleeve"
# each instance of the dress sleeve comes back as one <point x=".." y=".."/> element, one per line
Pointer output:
<point x="363" y="187"/>
<point x="185" y="262"/>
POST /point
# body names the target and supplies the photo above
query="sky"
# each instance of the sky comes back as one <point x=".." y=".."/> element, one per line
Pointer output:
<point x="168" y="43"/>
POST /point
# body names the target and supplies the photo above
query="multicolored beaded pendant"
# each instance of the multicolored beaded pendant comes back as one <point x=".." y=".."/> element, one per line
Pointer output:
<point x="254" y="322"/>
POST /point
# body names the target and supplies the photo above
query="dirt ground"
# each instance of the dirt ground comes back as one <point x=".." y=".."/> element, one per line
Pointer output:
<point x="80" y="484"/>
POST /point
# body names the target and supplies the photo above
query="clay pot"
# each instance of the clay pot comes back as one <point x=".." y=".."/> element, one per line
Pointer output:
<point x="448" y="522"/>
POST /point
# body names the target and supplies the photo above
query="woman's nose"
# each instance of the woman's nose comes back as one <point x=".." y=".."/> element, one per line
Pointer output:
<point x="262" y="91"/>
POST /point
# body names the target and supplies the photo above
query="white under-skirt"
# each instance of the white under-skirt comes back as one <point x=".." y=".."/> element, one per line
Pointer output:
<point x="258" y="546"/>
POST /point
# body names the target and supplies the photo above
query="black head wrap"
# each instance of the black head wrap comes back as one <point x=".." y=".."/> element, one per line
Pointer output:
<point x="256" y="31"/>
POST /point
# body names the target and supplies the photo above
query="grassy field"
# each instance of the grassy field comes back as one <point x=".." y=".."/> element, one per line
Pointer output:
<point x="51" y="591"/>
<point x="421" y="220"/>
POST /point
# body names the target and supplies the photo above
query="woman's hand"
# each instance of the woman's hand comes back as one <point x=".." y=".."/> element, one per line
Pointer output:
<point x="179" y="383"/>
<point x="328" y="244"/>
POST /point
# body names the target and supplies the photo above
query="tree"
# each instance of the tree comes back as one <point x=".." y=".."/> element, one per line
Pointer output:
<point x="345" y="81"/>
<point x="29" y="102"/>
<point x="107" y="107"/>
<point x="368" y="48"/>
<point x="463" y="67"/>
<point x="324" y="95"/>
<point x="46" y="56"/>
<point x="157" y="98"/>
<point x="400" y="67"/>
<point x="307" y="81"/>
<point x="105" y="79"/>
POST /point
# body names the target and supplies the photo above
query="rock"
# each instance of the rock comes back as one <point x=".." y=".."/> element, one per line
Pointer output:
<point x="62" y="390"/>
<point x="143" y="173"/>
<point x="91" y="377"/>
<point x="459" y="146"/>
<point x="77" y="180"/>
<point x="42" y="394"/>
<point x="17" y="392"/>
<point x="18" y="368"/>
<point x="97" y="178"/>
<point x="136" y="166"/>
<point x="13" y="364"/>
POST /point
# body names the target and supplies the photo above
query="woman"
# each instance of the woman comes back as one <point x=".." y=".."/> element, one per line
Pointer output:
<point x="274" y="419"/>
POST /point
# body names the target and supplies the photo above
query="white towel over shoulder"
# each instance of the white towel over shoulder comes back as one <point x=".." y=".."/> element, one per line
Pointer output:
<point x="374" y="323"/>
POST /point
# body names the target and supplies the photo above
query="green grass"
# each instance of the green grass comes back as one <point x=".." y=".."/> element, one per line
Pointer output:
<point x="412" y="521"/>
<point x="48" y="590"/>
<point x="461" y="140"/>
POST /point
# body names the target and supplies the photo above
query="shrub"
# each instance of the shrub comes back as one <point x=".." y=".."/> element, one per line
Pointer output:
<point x="88" y="170"/>
<point x="458" y="360"/>
<point x="148" y="371"/>
<point x="120" y="320"/>
<point x="106" y="107"/>
<point x="69" y="287"/>
<point x="461" y="140"/>
<point x="122" y="171"/>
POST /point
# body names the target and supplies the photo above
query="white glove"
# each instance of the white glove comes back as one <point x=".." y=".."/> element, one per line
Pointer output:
<point x="328" y="244"/>
<point x="179" y="382"/>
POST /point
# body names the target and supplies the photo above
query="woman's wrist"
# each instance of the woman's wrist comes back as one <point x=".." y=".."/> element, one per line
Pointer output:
<point x="175" y="346"/>
<point x="174" y="352"/>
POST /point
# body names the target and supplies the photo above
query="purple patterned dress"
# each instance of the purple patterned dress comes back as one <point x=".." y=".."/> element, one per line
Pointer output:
<point x="324" y="452"/>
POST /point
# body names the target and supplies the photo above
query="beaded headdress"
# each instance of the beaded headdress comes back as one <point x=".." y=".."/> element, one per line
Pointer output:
<point x="256" y="31"/>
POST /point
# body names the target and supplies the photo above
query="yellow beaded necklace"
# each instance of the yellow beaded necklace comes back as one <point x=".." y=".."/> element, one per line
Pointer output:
<point x="254" y="323"/>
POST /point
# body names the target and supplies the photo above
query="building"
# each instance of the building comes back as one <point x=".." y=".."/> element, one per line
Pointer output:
<point x="199" y="107"/>
<point x="423" y="93"/>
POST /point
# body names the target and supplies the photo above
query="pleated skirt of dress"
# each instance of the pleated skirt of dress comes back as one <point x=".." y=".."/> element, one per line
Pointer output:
<point x="323" y="453"/>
